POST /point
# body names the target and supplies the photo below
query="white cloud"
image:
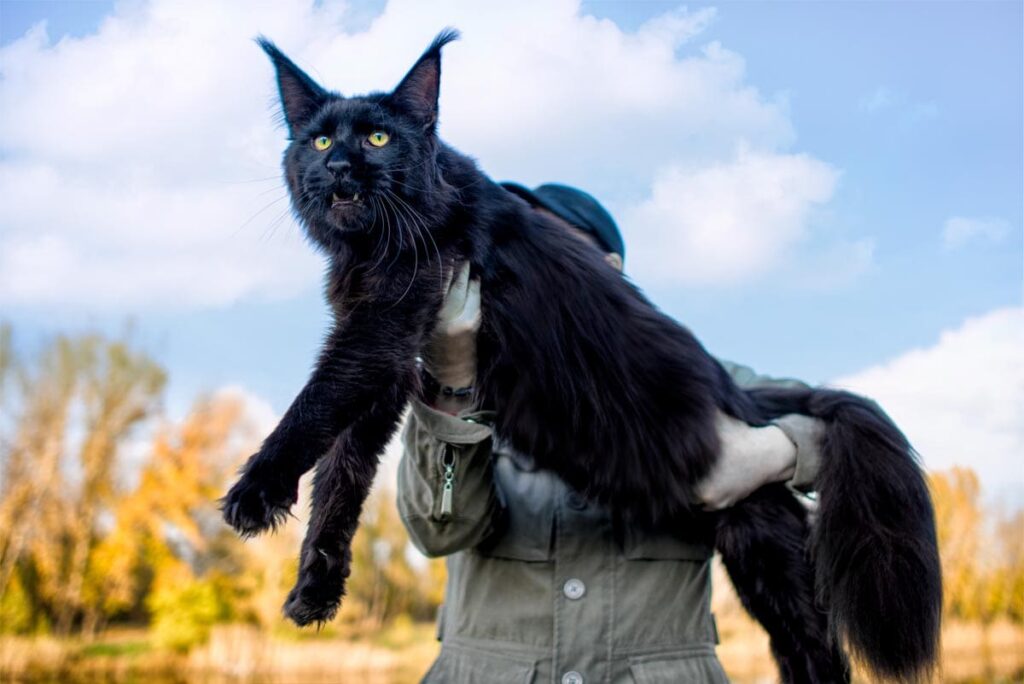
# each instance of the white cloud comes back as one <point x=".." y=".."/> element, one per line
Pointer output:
<point x="961" y="400"/>
<point x="258" y="416"/>
<point x="833" y="265"/>
<point x="140" y="167"/>
<point x="957" y="231"/>
<point x="878" y="99"/>
<point x="908" y="113"/>
<point x="727" y="222"/>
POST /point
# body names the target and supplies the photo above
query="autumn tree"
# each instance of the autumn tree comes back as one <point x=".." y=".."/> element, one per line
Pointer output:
<point x="74" y="409"/>
<point x="166" y="528"/>
<point x="389" y="579"/>
<point x="87" y="538"/>
<point x="982" y="550"/>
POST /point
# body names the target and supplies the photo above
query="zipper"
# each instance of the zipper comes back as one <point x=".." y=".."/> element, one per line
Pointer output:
<point x="448" y="462"/>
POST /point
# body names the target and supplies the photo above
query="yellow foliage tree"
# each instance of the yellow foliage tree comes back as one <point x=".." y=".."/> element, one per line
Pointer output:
<point x="982" y="551"/>
<point x="389" y="579"/>
<point x="76" y="406"/>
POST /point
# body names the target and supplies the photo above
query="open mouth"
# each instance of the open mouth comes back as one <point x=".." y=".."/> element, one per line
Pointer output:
<point x="339" y="201"/>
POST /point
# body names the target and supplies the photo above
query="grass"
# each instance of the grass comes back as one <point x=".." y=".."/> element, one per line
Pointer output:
<point x="117" y="649"/>
<point x="972" y="653"/>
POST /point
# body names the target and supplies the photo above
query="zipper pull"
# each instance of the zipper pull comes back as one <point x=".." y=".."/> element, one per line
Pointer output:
<point x="449" y="483"/>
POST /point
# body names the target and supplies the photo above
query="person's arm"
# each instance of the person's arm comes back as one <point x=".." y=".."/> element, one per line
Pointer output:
<point x="446" y="493"/>
<point x="788" y="450"/>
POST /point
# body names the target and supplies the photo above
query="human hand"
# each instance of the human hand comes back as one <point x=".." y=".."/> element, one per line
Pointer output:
<point x="749" y="458"/>
<point x="450" y="353"/>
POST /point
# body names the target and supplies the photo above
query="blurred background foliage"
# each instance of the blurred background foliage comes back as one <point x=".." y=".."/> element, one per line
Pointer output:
<point x="108" y="512"/>
<point x="108" y="518"/>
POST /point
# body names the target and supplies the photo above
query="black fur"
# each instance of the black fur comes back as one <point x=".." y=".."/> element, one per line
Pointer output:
<point x="584" y="374"/>
<point x="763" y="546"/>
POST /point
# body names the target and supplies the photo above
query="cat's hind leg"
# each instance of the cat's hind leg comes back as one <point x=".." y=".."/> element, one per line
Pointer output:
<point x="763" y="541"/>
<point x="340" y="486"/>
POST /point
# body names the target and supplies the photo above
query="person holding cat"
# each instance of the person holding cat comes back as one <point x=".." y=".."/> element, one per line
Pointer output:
<point x="542" y="585"/>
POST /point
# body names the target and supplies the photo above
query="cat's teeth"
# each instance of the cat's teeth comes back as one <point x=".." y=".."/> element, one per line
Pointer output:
<point x="337" y="200"/>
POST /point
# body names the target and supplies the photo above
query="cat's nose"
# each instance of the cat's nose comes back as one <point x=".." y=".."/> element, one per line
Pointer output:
<point x="339" y="167"/>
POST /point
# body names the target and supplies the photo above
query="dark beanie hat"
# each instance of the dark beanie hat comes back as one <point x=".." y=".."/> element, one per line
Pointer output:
<point x="576" y="208"/>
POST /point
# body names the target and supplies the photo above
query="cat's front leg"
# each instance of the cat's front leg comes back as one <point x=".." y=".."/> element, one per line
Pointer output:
<point x="342" y="482"/>
<point x="363" y="359"/>
<point x="268" y="487"/>
<point x="263" y="496"/>
<point x="269" y="483"/>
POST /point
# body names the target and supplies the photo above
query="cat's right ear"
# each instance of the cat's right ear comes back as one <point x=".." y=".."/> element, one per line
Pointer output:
<point x="301" y="97"/>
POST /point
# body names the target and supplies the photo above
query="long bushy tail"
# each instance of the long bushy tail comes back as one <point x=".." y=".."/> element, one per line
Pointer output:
<point x="763" y="544"/>
<point x="874" y="543"/>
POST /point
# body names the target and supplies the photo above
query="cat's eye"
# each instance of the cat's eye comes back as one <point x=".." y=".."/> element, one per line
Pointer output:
<point x="321" y="143"/>
<point x="378" y="138"/>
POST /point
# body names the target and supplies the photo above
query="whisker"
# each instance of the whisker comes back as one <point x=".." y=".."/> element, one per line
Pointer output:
<point x="421" y="229"/>
<point x="382" y="254"/>
<point x="274" y="225"/>
<point x="279" y="186"/>
<point x="378" y="211"/>
<point x="399" y="226"/>
<point x="415" y="269"/>
<point x="253" y="180"/>
<point x="250" y="219"/>
<point x="418" y="165"/>
<point x="305" y="202"/>
<point x="387" y="243"/>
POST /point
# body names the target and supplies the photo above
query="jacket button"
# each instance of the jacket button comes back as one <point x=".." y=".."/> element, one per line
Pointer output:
<point x="574" y="589"/>
<point x="572" y="677"/>
<point x="575" y="501"/>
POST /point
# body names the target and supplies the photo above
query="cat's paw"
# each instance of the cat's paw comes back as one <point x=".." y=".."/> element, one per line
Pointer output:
<point x="257" y="503"/>
<point x="320" y="586"/>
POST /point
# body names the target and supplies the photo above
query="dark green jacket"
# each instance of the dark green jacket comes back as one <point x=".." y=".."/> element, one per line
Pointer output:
<point x="544" y="587"/>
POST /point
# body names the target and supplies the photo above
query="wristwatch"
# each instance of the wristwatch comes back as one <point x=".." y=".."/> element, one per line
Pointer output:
<point x="431" y="388"/>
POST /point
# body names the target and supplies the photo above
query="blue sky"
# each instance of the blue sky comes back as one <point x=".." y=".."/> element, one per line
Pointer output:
<point x="898" y="125"/>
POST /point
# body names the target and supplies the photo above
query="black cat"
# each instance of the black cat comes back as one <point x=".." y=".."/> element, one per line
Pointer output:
<point x="584" y="374"/>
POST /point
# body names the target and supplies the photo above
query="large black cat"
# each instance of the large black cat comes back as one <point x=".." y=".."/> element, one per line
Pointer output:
<point x="584" y="374"/>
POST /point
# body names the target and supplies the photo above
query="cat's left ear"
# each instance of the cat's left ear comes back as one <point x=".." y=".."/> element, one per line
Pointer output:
<point x="418" y="91"/>
<point x="301" y="97"/>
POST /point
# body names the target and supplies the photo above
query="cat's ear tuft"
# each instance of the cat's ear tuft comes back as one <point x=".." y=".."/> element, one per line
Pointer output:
<point x="417" y="93"/>
<point x="301" y="97"/>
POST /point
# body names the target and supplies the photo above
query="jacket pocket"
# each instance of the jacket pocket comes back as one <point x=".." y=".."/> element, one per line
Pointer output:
<point x="639" y="544"/>
<point x="528" y="499"/>
<point x="697" y="668"/>
<point x="459" y="665"/>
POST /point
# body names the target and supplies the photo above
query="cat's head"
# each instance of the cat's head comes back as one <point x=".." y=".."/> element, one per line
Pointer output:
<point x="358" y="164"/>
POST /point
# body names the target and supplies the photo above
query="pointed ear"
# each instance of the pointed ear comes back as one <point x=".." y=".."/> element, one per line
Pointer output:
<point x="301" y="97"/>
<point x="418" y="91"/>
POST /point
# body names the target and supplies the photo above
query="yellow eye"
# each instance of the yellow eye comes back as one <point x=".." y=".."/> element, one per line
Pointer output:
<point x="322" y="143"/>
<point x="378" y="139"/>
